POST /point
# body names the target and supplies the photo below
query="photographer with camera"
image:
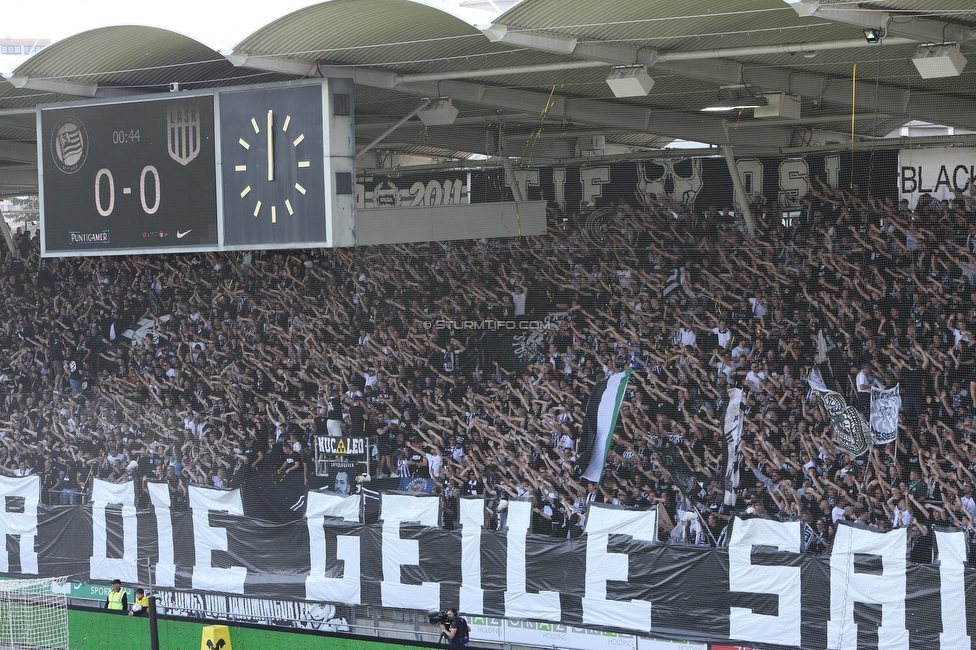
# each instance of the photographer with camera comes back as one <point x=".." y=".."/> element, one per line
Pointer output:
<point x="454" y="628"/>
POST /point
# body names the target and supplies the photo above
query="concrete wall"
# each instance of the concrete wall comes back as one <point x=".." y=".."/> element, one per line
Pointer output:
<point x="442" y="223"/>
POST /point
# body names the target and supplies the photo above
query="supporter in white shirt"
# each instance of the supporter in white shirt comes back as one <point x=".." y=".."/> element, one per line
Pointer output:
<point x="724" y="335"/>
<point x="518" y="298"/>
<point x="724" y="366"/>
<point x="118" y="456"/>
<point x="687" y="337"/>
<point x="566" y="442"/>
<point x="195" y="426"/>
<point x="968" y="502"/>
<point x="902" y="517"/>
<point x="371" y="378"/>
<point x="863" y="384"/>
<point x="839" y="511"/>
<point x="961" y="334"/>
<point x="434" y="461"/>
<point x="741" y="349"/>
<point x="863" y="381"/>
<point x="755" y="375"/>
<point x="758" y="306"/>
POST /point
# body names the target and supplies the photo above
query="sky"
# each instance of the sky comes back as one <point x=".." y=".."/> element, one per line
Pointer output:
<point x="220" y="24"/>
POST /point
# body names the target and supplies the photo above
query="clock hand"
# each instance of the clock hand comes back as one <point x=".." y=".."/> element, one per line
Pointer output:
<point x="271" y="145"/>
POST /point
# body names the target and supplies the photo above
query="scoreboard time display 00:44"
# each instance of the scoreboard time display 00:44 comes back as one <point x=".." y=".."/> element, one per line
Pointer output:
<point x="128" y="176"/>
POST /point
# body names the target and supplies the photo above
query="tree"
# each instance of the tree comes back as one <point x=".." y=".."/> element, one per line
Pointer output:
<point x="27" y="209"/>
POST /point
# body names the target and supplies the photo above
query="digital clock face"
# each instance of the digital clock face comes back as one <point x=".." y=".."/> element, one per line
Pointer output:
<point x="132" y="176"/>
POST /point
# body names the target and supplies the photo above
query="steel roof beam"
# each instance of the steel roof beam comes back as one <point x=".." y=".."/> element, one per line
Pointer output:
<point x="18" y="152"/>
<point x="279" y="64"/>
<point x="19" y="176"/>
<point x="499" y="72"/>
<point x="54" y="86"/>
<point x="560" y="108"/>
<point x="62" y="87"/>
<point x="485" y="142"/>
<point x="918" y="28"/>
<point x="563" y="109"/>
<point x="893" y="99"/>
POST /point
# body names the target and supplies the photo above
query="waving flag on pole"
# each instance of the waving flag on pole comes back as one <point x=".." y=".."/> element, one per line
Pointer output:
<point x="602" y="410"/>
<point x="853" y="433"/>
<point x="885" y="405"/>
<point x="733" y="437"/>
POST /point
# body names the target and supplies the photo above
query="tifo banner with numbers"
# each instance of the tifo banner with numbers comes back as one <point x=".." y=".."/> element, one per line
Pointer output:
<point x="760" y="591"/>
<point x="690" y="182"/>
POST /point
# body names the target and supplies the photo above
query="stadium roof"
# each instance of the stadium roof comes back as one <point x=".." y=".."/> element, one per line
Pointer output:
<point x="530" y="82"/>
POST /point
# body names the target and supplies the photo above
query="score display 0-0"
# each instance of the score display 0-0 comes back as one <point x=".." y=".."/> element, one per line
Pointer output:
<point x="127" y="176"/>
<point x="144" y="174"/>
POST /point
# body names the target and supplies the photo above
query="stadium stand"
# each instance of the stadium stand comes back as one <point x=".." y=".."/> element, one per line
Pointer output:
<point x="235" y="359"/>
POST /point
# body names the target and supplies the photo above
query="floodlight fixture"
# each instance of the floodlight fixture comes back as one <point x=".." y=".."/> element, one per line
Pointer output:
<point x="630" y="81"/>
<point x="938" y="61"/>
<point x="440" y="112"/>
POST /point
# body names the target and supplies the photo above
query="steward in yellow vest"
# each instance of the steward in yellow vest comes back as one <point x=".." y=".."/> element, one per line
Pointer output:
<point x="118" y="600"/>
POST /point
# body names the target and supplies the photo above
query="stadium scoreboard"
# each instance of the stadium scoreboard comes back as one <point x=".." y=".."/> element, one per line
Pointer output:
<point x="266" y="166"/>
<point x="128" y="176"/>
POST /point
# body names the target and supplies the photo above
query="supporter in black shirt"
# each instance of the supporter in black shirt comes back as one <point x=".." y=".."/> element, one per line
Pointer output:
<point x="334" y="414"/>
<point x="357" y="417"/>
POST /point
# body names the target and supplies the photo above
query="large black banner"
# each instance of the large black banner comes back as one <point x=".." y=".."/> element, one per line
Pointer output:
<point x="691" y="182"/>
<point x="761" y="590"/>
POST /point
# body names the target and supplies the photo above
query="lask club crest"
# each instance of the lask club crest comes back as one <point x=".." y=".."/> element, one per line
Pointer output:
<point x="183" y="134"/>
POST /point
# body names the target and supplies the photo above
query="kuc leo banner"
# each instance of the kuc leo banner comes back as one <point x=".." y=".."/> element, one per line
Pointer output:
<point x="760" y="591"/>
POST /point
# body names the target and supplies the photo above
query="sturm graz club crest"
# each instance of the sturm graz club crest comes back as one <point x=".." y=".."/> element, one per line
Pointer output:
<point x="69" y="144"/>
<point x="183" y="134"/>
<point x="598" y="224"/>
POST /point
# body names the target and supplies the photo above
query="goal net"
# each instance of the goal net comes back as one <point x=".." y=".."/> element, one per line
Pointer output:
<point x="33" y="614"/>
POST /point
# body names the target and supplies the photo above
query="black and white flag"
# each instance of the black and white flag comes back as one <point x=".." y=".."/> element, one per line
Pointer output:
<point x="885" y="405"/>
<point x="678" y="279"/>
<point x="732" y="427"/>
<point x="852" y="431"/>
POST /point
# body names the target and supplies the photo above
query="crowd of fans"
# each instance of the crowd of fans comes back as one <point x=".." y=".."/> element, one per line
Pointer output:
<point x="239" y="360"/>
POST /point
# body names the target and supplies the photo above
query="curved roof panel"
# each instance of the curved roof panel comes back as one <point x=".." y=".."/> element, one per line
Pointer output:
<point x="216" y="24"/>
<point x="133" y="57"/>
<point x="364" y="33"/>
<point x="664" y="24"/>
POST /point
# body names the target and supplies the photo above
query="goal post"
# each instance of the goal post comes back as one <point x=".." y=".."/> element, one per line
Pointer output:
<point x="33" y="614"/>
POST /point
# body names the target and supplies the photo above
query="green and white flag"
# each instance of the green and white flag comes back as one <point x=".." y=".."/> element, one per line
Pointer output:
<point x="601" y="420"/>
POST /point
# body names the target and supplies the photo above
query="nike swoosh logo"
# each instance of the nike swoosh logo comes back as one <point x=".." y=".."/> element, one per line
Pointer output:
<point x="181" y="235"/>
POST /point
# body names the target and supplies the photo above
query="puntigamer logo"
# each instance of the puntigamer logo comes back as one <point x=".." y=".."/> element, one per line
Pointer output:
<point x="69" y="144"/>
<point x="100" y="237"/>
